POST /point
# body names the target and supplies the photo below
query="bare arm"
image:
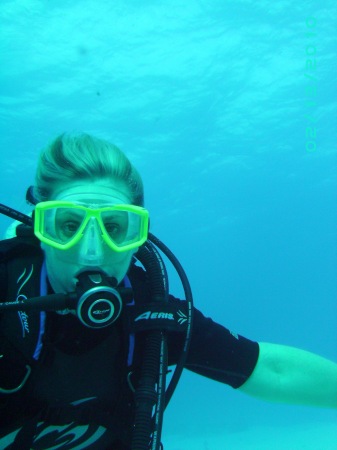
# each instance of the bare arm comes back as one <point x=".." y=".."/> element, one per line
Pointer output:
<point x="290" y="375"/>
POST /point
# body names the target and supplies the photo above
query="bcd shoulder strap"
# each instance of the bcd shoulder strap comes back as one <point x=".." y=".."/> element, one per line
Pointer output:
<point x="20" y="267"/>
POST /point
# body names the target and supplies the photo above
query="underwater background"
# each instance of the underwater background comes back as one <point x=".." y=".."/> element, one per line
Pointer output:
<point x="228" y="110"/>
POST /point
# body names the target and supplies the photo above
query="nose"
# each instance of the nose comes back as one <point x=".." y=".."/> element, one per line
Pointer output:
<point x="91" y="248"/>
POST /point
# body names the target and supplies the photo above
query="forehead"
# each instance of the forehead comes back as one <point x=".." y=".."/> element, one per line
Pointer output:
<point x="97" y="192"/>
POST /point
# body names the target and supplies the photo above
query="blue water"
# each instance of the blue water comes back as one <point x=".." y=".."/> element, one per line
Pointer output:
<point x="228" y="109"/>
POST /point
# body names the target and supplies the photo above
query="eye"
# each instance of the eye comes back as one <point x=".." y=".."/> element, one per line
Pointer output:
<point x="116" y="231"/>
<point x="112" y="229"/>
<point x="116" y="225"/>
<point x="69" y="228"/>
<point x="67" y="222"/>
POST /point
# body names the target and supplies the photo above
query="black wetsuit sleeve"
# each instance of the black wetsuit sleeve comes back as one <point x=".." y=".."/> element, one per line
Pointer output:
<point x="216" y="352"/>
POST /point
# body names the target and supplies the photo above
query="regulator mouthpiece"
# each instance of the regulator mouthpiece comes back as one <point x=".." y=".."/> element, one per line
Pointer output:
<point x="99" y="303"/>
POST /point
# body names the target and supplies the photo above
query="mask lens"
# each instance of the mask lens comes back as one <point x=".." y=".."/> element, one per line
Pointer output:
<point x="62" y="225"/>
<point x="122" y="227"/>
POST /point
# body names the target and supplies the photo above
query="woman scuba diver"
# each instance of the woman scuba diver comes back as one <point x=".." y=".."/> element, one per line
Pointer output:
<point x="88" y="325"/>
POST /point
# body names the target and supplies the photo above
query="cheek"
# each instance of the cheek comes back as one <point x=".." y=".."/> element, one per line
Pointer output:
<point x="120" y="265"/>
<point x="57" y="270"/>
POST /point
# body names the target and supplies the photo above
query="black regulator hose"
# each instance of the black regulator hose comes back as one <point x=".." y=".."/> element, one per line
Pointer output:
<point x="150" y="392"/>
<point x="16" y="215"/>
<point x="149" y="256"/>
<point x="189" y="299"/>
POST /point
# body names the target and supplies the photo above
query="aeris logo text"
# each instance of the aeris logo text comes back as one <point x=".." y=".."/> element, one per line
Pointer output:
<point x="154" y="315"/>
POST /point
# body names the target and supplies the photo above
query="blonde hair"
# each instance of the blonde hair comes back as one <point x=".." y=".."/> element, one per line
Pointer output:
<point x="72" y="157"/>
